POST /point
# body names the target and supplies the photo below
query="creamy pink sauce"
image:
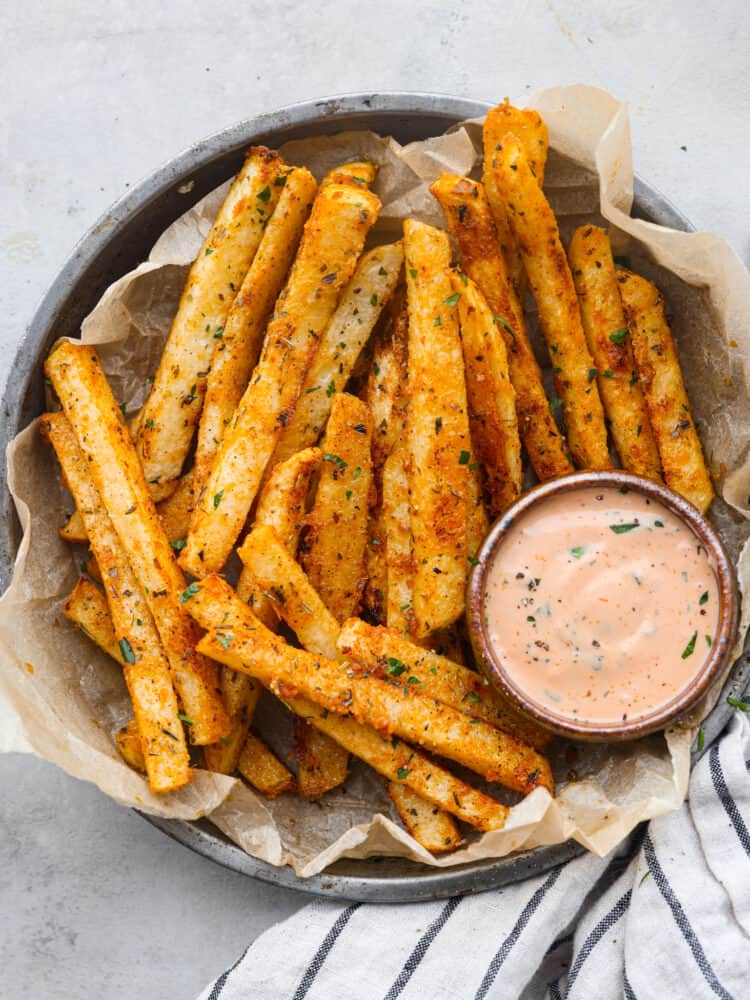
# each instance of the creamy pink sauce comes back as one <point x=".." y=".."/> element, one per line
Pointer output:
<point x="601" y="604"/>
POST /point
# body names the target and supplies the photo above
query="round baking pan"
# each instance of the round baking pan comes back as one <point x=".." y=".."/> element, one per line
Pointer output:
<point x="119" y="241"/>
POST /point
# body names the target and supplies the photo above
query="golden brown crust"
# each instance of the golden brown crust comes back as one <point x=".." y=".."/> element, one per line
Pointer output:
<point x="593" y="268"/>
<point x="469" y="219"/>
<point x="437" y="431"/>
<point x="668" y="405"/>
<point x="331" y="243"/>
<point x="434" y="829"/>
<point x="538" y="238"/>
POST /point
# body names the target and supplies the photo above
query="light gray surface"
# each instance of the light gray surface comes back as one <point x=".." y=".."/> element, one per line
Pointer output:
<point x="94" y="902"/>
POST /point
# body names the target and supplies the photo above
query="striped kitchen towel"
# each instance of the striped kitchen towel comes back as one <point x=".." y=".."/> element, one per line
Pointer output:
<point x="668" y="918"/>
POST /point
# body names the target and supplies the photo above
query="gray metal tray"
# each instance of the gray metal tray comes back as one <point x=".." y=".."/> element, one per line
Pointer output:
<point x="117" y="243"/>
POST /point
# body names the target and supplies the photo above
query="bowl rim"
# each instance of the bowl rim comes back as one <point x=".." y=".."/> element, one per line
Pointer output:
<point x="710" y="668"/>
<point x="420" y="882"/>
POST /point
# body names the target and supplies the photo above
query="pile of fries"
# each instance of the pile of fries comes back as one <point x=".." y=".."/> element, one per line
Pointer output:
<point x="348" y="421"/>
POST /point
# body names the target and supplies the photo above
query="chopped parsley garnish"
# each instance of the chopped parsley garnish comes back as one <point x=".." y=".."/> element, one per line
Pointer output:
<point x="413" y="272"/>
<point x="219" y="333"/>
<point x="592" y="374"/>
<point x="618" y="337"/>
<point x="736" y="703"/>
<point x="701" y="739"/>
<point x="620" y="529"/>
<point x="452" y="300"/>
<point x="578" y="551"/>
<point x="184" y="718"/>
<point x="264" y="195"/>
<point x="336" y="459"/>
<point x="464" y="457"/>
<point x="217" y="498"/>
<point x="373" y="299"/>
<point x="555" y="403"/>
<point x="658" y="524"/>
<point x="402" y="773"/>
<point x="331" y="388"/>
<point x="690" y="648"/>
<point x="703" y="598"/>
<point x="178" y="544"/>
<point x="395" y="666"/>
<point x="225" y="640"/>
<point x="127" y="651"/>
<point x="189" y="592"/>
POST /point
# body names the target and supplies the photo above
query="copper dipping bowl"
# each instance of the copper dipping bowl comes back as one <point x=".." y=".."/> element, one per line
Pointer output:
<point x="712" y="667"/>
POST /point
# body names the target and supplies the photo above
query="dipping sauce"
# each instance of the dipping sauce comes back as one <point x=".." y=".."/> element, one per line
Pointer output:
<point x="601" y="603"/>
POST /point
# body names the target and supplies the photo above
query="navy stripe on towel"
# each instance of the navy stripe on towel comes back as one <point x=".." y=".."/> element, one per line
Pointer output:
<point x="725" y="797"/>
<point x="682" y="921"/>
<point x="607" y="922"/>
<point x="505" y="948"/>
<point x="322" y="953"/>
<point x="420" y="949"/>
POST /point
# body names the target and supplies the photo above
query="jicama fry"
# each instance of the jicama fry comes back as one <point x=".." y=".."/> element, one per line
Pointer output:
<point x="334" y="548"/>
<point x="438" y="431"/>
<point x="590" y="256"/>
<point x="74" y="530"/>
<point x="477" y="522"/>
<point x="322" y="764"/>
<point x="492" y="399"/>
<point x="398" y="543"/>
<point x="535" y="228"/>
<point x="332" y="240"/>
<point x="470" y="220"/>
<point x="111" y="458"/>
<point x="87" y="608"/>
<point x="239" y="343"/>
<point x="397" y="711"/>
<point x="387" y="651"/>
<point x="385" y="396"/>
<point x="214" y="604"/>
<point x="128" y="742"/>
<point x="361" y="304"/>
<point x="263" y="769"/>
<point x="409" y="767"/>
<point x="435" y="830"/>
<point x="292" y="595"/>
<point x="360" y="172"/>
<point x="145" y="667"/>
<point x="240" y="694"/>
<point x="667" y="401"/>
<point x="531" y="132"/>
<point x="174" y="512"/>
<point x="167" y="422"/>
<point x="281" y="505"/>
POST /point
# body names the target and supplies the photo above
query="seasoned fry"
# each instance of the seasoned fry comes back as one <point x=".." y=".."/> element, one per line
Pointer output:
<point x="535" y="228"/>
<point x="146" y="670"/>
<point x="334" y="547"/>
<point x="292" y="595"/>
<point x="362" y="173"/>
<point x="111" y="458"/>
<point x="363" y="300"/>
<point x="399" y="554"/>
<point x="216" y="605"/>
<point x="492" y="399"/>
<point x="175" y="512"/>
<point x="477" y="522"/>
<point x="239" y="343"/>
<point x="387" y="651"/>
<point x="667" y="402"/>
<point x="129" y="743"/>
<point x="430" y="827"/>
<point x="167" y="422"/>
<point x="87" y="608"/>
<point x="438" y="431"/>
<point x="322" y="764"/>
<point x="240" y="694"/>
<point x="331" y="243"/>
<point x="385" y="396"/>
<point x="470" y="220"/>
<point x="263" y="769"/>
<point x="531" y="132"/>
<point x="407" y="766"/>
<point x="393" y="710"/>
<point x="74" y="530"/>
<point x="590" y="256"/>
<point x="281" y="505"/>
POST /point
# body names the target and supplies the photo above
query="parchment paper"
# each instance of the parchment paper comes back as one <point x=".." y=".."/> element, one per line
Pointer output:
<point x="62" y="699"/>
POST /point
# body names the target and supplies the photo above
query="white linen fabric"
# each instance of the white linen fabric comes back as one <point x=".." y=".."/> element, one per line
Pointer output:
<point x="668" y="916"/>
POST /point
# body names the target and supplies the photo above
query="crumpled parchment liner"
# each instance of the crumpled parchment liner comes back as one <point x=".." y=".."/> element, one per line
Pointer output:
<point x="61" y="698"/>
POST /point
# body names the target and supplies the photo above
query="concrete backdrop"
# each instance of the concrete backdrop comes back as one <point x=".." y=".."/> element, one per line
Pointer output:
<point x="96" y="93"/>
